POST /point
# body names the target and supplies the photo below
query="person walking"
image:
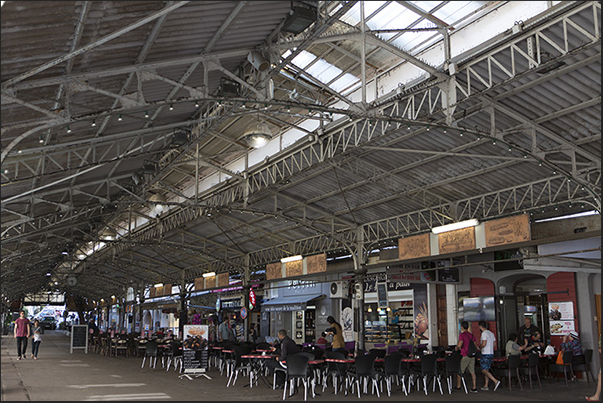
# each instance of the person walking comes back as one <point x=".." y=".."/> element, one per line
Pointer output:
<point x="467" y="363"/>
<point x="37" y="339"/>
<point x="337" y="333"/>
<point x="22" y="331"/>
<point x="597" y="395"/>
<point x="487" y="348"/>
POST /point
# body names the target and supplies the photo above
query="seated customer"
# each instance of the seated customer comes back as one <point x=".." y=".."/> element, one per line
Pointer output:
<point x="512" y="348"/>
<point x="571" y="342"/>
<point x="537" y="344"/>
<point x="287" y="347"/>
<point x="322" y="339"/>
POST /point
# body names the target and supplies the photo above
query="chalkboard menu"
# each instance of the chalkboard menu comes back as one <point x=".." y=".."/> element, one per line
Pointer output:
<point x="79" y="337"/>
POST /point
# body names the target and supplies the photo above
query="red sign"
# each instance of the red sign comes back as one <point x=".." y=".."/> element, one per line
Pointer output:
<point x="251" y="299"/>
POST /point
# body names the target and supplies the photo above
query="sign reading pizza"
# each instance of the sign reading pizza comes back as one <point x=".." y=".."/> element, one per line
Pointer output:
<point x="251" y="299"/>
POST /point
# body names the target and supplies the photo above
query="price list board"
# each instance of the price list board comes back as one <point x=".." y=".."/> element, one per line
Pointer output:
<point x="195" y="354"/>
<point x="79" y="337"/>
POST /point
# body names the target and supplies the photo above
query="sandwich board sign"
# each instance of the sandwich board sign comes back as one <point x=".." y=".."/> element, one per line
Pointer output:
<point x="195" y="351"/>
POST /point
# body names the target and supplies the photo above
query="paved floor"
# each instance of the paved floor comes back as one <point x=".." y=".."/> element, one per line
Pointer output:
<point x="59" y="375"/>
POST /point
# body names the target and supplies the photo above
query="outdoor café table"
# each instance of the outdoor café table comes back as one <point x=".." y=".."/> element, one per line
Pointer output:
<point x="258" y="361"/>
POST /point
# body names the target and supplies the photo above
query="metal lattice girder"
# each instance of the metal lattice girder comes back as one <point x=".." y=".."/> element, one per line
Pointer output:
<point x="550" y="192"/>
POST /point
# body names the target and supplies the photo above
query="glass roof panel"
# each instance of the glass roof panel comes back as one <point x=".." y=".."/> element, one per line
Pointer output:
<point x="343" y="82"/>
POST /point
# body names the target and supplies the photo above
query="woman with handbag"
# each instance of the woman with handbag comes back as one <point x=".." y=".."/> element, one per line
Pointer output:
<point x="37" y="339"/>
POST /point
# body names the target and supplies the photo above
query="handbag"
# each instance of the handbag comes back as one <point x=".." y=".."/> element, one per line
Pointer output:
<point x="559" y="360"/>
<point x="37" y="337"/>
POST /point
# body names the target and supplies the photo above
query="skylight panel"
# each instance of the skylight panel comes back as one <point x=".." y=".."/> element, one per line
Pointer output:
<point x="394" y="16"/>
<point x="457" y="10"/>
<point x="343" y="82"/>
<point x="324" y="71"/>
<point x="303" y="59"/>
<point x="352" y="17"/>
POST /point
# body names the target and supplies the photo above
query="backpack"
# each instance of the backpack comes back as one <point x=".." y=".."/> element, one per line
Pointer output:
<point x="472" y="349"/>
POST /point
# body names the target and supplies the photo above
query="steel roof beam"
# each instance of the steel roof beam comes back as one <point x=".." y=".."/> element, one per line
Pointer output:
<point x="93" y="45"/>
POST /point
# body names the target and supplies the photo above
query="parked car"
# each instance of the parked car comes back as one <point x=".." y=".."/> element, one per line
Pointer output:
<point x="49" y="322"/>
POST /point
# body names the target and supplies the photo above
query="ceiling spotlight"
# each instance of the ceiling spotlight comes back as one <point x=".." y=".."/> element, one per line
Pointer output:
<point x="171" y="107"/>
<point x="68" y="129"/>
<point x="93" y="123"/>
<point x="146" y="114"/>
<point x="257" y="134"/>
<point x="196" y="104"/>
<point x="41" y="140"/>
<point x="5" y="171"/>
<point x="119" y="118"/>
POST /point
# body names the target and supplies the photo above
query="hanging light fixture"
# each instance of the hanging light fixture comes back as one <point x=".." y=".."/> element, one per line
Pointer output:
<point x="157" y="203"/>
<point x="109" y="234"/>
<point x="257" y="134"/>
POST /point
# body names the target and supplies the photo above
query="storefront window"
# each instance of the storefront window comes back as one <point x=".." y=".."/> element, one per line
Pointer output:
<point x="393" y="324"/>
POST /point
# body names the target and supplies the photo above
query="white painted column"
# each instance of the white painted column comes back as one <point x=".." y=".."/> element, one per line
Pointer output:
<point x="452" y="313"/>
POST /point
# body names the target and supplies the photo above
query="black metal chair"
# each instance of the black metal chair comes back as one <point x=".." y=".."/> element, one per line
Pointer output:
<point x="429" y="369"/>
<point x="378" y="352"/>
<point x="151" y="351"/>
<point x="365" y="370"/>
<point x="298" y="369"/>
<point x="512" y="370"/>
<point x="238" y="365"/>
<point x="453" y="367"/>
<point x="391" y="372"/>
<point x="336" y="370"/>
<point x="532" y="368"/>
<point x="578" y="366"/>
<point x="565" y="368"/>
<point x="174" y="355"/>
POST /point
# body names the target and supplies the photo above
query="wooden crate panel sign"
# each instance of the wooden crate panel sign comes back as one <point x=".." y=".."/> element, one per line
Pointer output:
<point x="159" y="291"/>
<point x="274" y="271"/>
<point x="457" y="240"/>
<point x="199" y="283"/>
<point x="167" y="289"/>
<point x="152" y="292"/>
<point x="210" y="282"/>
<point x="414" y="247"/>
<point x="295" y="268"/>
<point x="223" y="279"/>
<point x="508" y="230"/>
<point x="317" y="263"/>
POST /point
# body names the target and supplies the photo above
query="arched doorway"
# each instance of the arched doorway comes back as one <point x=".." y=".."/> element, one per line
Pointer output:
<point x="522" y="295"/>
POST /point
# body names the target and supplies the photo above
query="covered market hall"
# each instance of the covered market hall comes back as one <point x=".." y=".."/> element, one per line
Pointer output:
<point x="193" y="189"/>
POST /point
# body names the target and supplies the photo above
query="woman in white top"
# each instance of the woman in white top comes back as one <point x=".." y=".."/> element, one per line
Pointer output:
<point x="37" y="339"/>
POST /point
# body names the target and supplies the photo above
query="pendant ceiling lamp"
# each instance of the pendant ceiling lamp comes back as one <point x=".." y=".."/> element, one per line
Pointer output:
<point x="257" y="134"/>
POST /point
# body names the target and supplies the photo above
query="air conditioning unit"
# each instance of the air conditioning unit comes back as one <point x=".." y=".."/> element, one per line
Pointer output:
<point x="338" y="289"/>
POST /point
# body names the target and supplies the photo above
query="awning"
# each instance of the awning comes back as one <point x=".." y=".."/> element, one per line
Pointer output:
<point x="291" y="303"/>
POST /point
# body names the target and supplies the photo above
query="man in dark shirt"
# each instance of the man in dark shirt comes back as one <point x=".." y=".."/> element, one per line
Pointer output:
<point x="526" y="332"/>
<point x="287" y="347"/>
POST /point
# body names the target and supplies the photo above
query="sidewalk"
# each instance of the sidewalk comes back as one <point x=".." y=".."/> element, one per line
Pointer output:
<point x="59" y="375"/>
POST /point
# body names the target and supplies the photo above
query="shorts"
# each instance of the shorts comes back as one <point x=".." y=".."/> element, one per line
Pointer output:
<point x="468" y="363"/>
<point x="486" y="361"/>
